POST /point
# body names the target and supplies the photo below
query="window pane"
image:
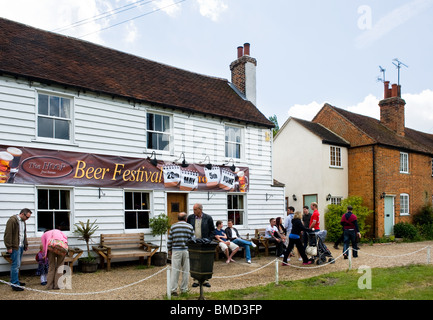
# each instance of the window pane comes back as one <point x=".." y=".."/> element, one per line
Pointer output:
<point x="143" y="219"/>
<point x="42" y="199"/>
<point x="152" y="140"/>
<point x="128" y="200"/>
<point x="45" y="127"/>
<point x="158" y="122"/>
<point x="150" y="122"/>
<point x="137" y="200"/>
<point x="54" y="106"/>
<point x="166" y="124"/>
<point x="64" y="199"/>
<point x="62" y="129"/>
<point x="43" y="104"/>
<point x="130" y="220"/>
<point x="65" y="108"/>
<point x="61" y="220"/>
<point x="45" y="220"/>
<point x="145" y="205"/>
<point x="53" y="197"/>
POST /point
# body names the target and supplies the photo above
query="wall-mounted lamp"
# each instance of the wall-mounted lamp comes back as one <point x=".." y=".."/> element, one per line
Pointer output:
<point x="268" y="196"/>
<point x="184" y="164"/>
<point x="153" y="161"/>
<point x="209" y="165"/>
<point x="233" y="167"/>
<point x="101" y="193"/>
<point x="294" y="198"/>
<point x="383" y="195"/>
<point x="328" y="197"/>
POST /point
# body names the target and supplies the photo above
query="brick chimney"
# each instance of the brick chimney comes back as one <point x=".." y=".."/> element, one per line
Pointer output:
<point x="392" y="108"/>
<point x="244" y="73"/>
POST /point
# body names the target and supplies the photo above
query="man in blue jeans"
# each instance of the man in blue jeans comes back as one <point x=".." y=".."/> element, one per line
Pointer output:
<point x="233" y="235"/>
<point x="15" y="239"/>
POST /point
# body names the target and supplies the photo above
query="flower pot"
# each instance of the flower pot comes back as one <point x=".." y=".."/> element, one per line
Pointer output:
<point x="159" y="259"/>
<point x="87" y="266"/>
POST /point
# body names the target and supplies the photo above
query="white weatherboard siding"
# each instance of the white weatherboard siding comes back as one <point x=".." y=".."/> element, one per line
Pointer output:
<point x="107" y="126"/>
<point x="302" y="162"/>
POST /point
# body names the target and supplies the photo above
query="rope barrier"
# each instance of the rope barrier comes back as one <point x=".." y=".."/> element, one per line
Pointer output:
<point x="85" y="293"/>
<point x="226" y="276"/>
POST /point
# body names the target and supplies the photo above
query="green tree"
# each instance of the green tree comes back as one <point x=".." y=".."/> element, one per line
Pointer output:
<point x="335" y="212"/>
<point x="274" y="120"/>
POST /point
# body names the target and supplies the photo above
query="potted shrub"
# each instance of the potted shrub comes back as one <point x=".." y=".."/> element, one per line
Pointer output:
<point x="159" y="226"/>
<point x="85" y="231"/>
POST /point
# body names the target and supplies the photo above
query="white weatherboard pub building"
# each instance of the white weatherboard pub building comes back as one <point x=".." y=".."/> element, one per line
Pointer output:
<point x="87" y="132"/>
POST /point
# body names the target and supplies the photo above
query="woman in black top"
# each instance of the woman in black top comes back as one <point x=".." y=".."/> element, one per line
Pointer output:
<point x="295" y="239"/>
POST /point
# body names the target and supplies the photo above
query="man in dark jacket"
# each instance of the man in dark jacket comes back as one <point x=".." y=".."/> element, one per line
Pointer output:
<point x="203" y="228"/>
<point x="350" y="231"/>
<point x="15" y="239"/>
<point x="202" y="223"/>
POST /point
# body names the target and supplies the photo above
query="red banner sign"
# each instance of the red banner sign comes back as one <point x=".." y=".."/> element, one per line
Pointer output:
<point x="49" y="167"/>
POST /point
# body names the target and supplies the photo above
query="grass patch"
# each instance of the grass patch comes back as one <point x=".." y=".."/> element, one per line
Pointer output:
<point x="414" y="282"/>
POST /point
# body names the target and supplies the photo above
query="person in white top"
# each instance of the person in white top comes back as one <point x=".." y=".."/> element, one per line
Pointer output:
<point x="273" y="235"/>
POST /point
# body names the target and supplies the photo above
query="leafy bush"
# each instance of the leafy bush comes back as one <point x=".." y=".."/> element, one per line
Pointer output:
<point x="424" y="216"/>
<point x="405" y="230"/>
<point x="426" y="231"/>
<point x="335" y="212"/>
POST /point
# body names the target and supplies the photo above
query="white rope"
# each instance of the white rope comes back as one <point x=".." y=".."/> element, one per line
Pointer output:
<point x="85" y="293"/>
<point x="397" y="256"/>
<point x="218" y="277"/>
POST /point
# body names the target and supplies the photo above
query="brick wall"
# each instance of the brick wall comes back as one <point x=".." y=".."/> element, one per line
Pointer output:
<point x="418" y="183"/>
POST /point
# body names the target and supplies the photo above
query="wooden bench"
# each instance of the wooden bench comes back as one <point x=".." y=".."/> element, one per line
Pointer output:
<point x="241" y="249"/>
<point x="29" y="256"/>
<point x="125" y="245"/>
<point x="260" y="240"/>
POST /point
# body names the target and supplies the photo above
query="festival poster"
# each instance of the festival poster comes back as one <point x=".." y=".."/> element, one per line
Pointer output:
<point x="22" y="165"/>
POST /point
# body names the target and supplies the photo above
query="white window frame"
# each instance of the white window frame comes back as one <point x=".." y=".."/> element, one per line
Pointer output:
<point x="168" y="134"/>
<point x="404" y="162"/>
<point x="335" y="158"/>
<point x="404" y="204"/>
<point x="149" y="211"/>
<point x="70" y="119"/>
<point x="240" y="144"/>
<point x="243" y="210"/>
<point x="336" y="200"/>
<point x="70" y="209"/>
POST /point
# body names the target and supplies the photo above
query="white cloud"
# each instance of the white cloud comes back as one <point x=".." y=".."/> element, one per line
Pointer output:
<point x="170" y="7"/>
<point x="212" y="9"/>
<point x="305" y="111"/>
<point x="418" y="109"/>
<point x="54" y="14"/>
<point x="131" y="32"/>
<point x="391" y="21"/>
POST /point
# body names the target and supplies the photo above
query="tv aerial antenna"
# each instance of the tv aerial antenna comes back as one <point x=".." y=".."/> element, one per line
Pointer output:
<point x="398" y="65"/>
<point x="383" y="74"/>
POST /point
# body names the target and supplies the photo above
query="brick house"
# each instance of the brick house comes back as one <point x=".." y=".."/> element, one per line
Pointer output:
<point x="390" y="165"/>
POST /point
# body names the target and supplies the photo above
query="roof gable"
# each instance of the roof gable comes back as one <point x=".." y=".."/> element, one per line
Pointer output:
<point x="55" y="59"/>
<point x="376" y="132"/>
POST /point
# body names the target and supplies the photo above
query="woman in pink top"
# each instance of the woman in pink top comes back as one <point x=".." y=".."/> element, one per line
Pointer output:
<point x="55" y="260"/>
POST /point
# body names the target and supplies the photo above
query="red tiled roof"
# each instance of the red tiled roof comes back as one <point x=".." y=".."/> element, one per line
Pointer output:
<point x="412" y="140"/>
<point x="55" y="59"/>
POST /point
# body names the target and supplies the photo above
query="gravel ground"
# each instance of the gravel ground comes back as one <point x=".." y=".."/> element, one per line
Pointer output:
<point x="151" y="283"/>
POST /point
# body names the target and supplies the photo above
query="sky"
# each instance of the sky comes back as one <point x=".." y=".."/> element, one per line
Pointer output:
<point x="308" y="52"/>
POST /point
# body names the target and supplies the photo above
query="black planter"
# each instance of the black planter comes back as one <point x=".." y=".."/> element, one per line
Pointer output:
<point x="159" y="259"/>
<point x="87" y="266"/>
<point x="201" y="259"/>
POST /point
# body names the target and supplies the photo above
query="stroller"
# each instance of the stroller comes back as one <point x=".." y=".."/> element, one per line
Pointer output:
<point x="316" y="247"/>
